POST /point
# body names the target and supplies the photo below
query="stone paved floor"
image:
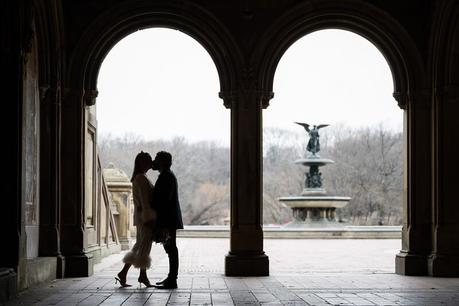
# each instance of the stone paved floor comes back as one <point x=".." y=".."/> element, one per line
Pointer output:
<point x="303" y="272"/>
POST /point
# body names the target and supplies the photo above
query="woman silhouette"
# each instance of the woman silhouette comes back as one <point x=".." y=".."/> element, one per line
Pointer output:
<point x="142" y="190"/>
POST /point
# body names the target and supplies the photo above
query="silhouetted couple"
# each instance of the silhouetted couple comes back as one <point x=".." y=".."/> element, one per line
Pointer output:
<point x="157" y="217"/>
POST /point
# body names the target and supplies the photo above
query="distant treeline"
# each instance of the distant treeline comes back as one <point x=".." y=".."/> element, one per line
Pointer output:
<point x="368" y="167"/>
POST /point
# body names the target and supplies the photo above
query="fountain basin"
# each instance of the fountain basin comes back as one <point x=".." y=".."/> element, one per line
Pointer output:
<point x="319" y="210"/>
<point x="315" y="201"/>
<point x="314" y="161"/>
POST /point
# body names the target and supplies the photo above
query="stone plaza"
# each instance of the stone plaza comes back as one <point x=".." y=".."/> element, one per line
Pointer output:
<point x="303" y="272"/>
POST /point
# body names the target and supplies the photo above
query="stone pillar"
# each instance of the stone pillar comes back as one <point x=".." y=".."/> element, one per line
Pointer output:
<point x="444" y="259"/>
<point x="78" y="262"/>
<point x="246" y="256"/>
<point x="308" y="215"/>
<point x="50" y="176"/>
<point x="331" y="214"/>
<point x="323" y="215"/>
<point x="120" y="189"/>
<point x="416" y="231"/>
<point x="10" y="218"/>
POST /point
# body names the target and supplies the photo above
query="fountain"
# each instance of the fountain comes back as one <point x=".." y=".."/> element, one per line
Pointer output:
<point x="314" y="207"/>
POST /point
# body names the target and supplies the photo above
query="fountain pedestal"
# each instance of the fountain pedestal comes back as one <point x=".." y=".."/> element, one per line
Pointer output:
<point x="314" y="207"/>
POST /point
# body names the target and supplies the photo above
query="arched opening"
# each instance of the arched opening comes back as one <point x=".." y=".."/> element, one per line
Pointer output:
<point x="157" y="92"/>
<point x="107" y="30"/>
<point x="338" y="78"/>
<point x="408" y="74"/>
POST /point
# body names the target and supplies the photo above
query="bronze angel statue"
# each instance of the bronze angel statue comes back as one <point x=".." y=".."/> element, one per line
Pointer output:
<point x="313" y="143"/>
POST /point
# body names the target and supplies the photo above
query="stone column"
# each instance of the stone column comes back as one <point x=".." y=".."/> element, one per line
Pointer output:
<point x="308" y="215"/>
<point x="416" y="231"/>
<point x="120" y="189"/>
<point x="10" y="219"/>
<point x="331" y="214"/>
<point x="50" y="176"/>
<point x="78" y="263"/>
<point x="246" y="256"/>
<point x="444" y="259"/>
<point x="323" y="215"/>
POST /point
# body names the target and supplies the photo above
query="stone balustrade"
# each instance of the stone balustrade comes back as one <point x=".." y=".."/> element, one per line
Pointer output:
<point x="120" y="190"/>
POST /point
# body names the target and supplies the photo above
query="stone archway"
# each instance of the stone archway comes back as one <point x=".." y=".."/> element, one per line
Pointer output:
<point x="246" y="41"/>
<point x="409" y="83"/>
<point x="246" y="88"/>
<point x="81" y="92"/>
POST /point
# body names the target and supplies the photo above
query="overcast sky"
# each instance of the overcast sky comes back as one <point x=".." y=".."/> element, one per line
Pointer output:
<point x="161" y="83"/>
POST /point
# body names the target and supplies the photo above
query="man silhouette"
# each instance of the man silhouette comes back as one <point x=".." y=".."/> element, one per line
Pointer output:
<point x="166" y="203"/>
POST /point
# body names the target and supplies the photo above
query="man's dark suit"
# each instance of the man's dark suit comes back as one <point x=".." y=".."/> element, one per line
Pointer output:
<point x="166" y="203"/>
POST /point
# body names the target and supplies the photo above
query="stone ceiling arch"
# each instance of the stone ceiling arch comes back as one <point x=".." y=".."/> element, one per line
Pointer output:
<point x="358" y="17"/>
<point x="113" y="25"/>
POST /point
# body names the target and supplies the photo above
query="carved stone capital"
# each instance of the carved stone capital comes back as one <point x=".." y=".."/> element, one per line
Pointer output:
<point x="247" y="97"/>
<point x="401" y="98"/>
<point x="265" y="97"/>
<point x="90" y="97"/>
<point x="247" y="92"/>
<point x="418" y="99"/>
<point x="229" y="98"/>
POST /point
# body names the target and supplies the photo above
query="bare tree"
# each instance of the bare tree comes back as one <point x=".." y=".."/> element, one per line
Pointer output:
<point x="201" y="169"/>
<point x="369" y="168"/>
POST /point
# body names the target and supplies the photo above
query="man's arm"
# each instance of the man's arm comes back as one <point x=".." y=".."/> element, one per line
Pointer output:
<point x="170" y="187"/>
<point x="164" y="189"/>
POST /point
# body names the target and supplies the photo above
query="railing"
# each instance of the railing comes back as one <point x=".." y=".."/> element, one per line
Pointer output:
<point x="106" y="202"/>
<point x="101" y="231"/>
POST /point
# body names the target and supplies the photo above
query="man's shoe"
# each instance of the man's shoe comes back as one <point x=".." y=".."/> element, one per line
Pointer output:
<point x="162" y="282"/>
<point x="167" y="285"/>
